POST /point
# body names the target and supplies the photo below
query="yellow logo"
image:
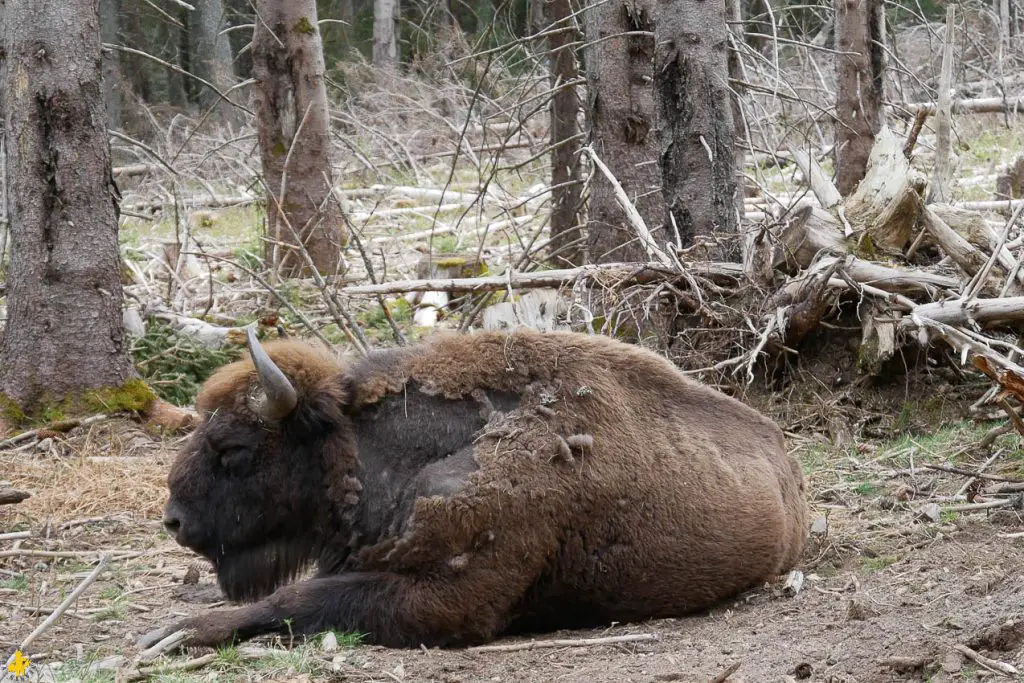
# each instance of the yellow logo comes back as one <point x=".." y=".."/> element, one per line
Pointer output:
<point x="18" y="665"/>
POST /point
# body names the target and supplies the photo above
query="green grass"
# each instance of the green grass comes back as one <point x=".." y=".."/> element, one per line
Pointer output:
<point x="18" y="583"/>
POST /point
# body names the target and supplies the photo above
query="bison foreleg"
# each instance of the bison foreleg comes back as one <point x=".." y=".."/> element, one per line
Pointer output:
<point x="388" y="609"/>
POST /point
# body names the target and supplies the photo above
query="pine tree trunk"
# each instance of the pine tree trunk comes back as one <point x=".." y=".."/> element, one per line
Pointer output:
<point x="697" y="159"/>
<point x="859" y="30"/>
<point x="566" y="204"/>
<point x="294" y="136"/>
<point x="109" y="24"/>
<point x="211" y="55"/>
<point x="385" y="25"/>
<point x="64" y="333"/>
<point x="623" y="120"/>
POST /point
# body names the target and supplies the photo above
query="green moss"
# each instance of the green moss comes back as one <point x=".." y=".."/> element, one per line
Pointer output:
<point x="132" y="396"/>
<point x="279" y="149"/>
<point x="304" y="26"/>
<point x="10" y="410"/>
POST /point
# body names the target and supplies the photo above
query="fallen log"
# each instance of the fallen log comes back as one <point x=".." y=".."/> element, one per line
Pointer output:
<point x="983" y="311"/>
<point x="979" y="105"/>
<point x="626" y="273"/>
<point x="970" y="259"/>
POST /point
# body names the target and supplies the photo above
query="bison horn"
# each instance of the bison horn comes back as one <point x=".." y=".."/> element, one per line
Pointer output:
<point x="278" y="395"/>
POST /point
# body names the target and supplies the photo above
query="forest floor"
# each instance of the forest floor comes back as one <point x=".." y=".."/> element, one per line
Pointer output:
<point x="883" y="582"/>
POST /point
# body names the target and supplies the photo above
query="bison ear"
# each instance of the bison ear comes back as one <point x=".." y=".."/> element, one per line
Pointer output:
<point x="276" y="397"/>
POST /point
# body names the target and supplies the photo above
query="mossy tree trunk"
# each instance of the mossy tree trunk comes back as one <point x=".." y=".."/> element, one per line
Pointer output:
<point x="293" y="130"/>
<point x="861" y="64"/>
<point x="697" y="148"/>
<point x="64" y="334"/>
<point x="623" y="119"/>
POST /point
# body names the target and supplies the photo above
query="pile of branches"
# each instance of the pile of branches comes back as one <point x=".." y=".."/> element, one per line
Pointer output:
<point x="917" y="269"/>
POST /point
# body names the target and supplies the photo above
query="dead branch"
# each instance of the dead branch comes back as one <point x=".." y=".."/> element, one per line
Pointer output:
<point x="980" y="105"/>
<point x="821" y="185"/>
<point x="939" y="191"/>
<point x="574" y="642"/>
<point x="62" y="426"/>
<point x="12" y="496"/>
<point x="991" y="664"/>
<point x="68" y="601"/>
<point x="729" y="671"/>
<point x="627" y="273"/>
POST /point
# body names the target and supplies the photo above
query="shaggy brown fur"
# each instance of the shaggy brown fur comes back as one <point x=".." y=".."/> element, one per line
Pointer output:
<point x="482" y="484"/>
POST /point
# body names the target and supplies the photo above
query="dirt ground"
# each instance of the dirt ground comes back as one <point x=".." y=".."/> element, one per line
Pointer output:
<point x="881" y="582"/>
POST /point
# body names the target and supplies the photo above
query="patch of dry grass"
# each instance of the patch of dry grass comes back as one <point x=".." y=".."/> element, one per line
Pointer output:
<point x="67" y="482"/>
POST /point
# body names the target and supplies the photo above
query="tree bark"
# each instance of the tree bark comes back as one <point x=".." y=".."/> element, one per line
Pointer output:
<point x="697" y="156"/>
<point x="860" y="28"/>
<point x="623" y="121"/>
<point x="64" y="331"/>
<point x="566" y="203"/>
<point x="109" y="25"/>
<point x="385" y="28"/>
<point x="211" y="55"/>
<point x="293" y="131"/>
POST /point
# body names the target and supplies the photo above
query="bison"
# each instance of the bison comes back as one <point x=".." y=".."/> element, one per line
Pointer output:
<point x="473" y="486"/>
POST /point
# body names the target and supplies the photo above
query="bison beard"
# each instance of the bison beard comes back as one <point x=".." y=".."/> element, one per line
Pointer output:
<point x="474" y="486"/>
<point x="254" y="573"/>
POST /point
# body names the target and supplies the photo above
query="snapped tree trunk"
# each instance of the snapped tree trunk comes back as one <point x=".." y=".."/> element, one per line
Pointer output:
<point x="860" y="30"/>
<point x="385" y="25"/>
<point x="623" y="120"/>
<point x="697" y="155"/>
<point x="565" y="246"/>
<point x="64" y="333"/>
<point x="110" y="21"/>
<point x="294" y="137"/>
<point x="211" y="56"/>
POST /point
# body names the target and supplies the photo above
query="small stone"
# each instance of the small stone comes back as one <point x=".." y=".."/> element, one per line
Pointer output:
<point x="337" y="662"/>
<point x="45" y="445"/>
<point x="952" y="662"/>
<point x="329" y="643"/>
<point x="819" y="527"/>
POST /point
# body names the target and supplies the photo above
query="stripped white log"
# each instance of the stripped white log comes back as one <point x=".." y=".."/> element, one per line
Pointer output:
<point x="822" y="187"/>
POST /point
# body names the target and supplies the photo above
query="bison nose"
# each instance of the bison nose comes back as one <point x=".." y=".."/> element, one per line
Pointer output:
<point x="172" y="524"/>
<point x="172" y="519"/>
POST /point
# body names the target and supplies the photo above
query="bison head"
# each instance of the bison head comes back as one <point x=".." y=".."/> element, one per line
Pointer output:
<point x="252" y="489"/>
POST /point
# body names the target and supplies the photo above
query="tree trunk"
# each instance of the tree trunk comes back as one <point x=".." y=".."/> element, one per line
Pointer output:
<point x="623" y="121"/>
<point x="860" y="30"/>
<point x="293" y="130"/>
<point x="211" y="55"/>
<point x="135" y="67"/>
<point x="109" y="24"/>
<point x="64" y="333"/>
<point x="692" y="78"/>
<point x="566" y="203"/>
<point x="385" y="25"/>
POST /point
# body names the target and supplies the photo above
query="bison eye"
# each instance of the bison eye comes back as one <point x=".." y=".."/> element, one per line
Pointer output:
<point x="235" y="459"/>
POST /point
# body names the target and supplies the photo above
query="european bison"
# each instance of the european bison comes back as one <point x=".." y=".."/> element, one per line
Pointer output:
<point x="476" y="485"/>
